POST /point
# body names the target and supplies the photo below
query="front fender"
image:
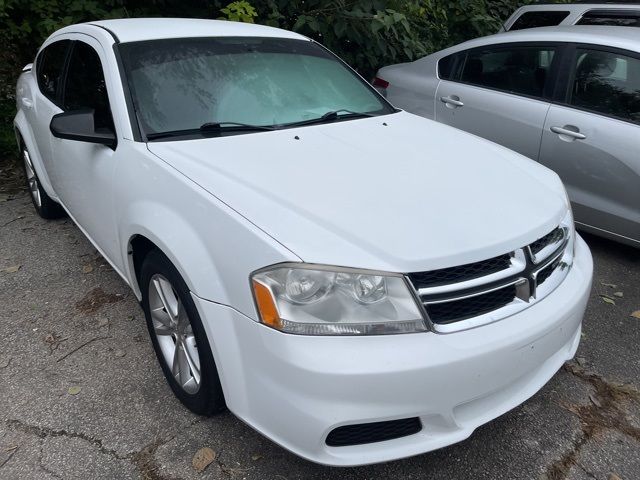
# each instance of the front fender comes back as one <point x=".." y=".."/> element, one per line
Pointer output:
<point x="167" y="230"/>
<point x="213" y="247"/>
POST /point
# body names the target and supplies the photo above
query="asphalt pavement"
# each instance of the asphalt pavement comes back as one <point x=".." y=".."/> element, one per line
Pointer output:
<point x="82" y="396"/>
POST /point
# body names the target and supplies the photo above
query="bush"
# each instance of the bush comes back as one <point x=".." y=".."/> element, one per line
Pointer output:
<point x="366" y="33"/>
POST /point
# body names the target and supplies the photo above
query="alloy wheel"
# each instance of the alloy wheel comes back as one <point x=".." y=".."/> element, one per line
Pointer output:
<point x="174" y="333"/>
<point x="32" y="179"/>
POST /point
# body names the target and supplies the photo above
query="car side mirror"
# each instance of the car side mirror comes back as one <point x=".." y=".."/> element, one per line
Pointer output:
<point x="80" y="125"/>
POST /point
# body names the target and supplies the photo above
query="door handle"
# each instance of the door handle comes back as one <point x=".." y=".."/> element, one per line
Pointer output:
<point x="569" y="131"/>
<point x="455" y="101"/>
<point x="26" y="103"/>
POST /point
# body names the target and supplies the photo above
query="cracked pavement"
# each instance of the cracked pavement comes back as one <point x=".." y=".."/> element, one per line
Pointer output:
<point x="67" y="320"/>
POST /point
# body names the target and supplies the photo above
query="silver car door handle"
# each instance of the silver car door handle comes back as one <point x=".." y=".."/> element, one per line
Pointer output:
<point x="452" y="101"/>
<point x="26" y="103"/>
<point x="568" y="133"/>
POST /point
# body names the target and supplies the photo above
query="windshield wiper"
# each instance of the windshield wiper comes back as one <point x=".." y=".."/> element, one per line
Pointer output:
<point x="227" y="126"/>
<point x="210" y="127"/>
<point x="330" y="117"/>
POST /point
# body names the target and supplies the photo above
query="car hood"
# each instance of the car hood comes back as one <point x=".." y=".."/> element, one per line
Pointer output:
<point x="396" y="193"/>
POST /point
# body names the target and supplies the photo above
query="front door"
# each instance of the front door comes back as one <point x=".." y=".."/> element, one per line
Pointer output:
<point x="84" y="171"/>
<point x="592" y="140"/>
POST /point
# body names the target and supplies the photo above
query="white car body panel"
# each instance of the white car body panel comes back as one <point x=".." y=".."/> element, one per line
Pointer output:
<point x="396" y="193"/>
<point x="322" y="385"/>
<point x="277" y="181"/>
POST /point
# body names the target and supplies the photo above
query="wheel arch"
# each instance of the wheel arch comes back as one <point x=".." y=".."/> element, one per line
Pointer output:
<point x="24" y="136"/>
<point x="161" y="228"/>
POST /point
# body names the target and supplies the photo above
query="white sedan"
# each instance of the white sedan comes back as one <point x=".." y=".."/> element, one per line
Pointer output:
<point x="355" y="282"/>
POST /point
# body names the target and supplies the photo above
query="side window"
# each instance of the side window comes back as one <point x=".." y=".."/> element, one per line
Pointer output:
<point x="620" y="18"/>
<point x="50" y="67"/>
<point x="522" y="70"/>
<point x="85" y="86"/>
<point x="448" y="66"/>
<point x="608" y="83"/>
<point x="539" y="19"/>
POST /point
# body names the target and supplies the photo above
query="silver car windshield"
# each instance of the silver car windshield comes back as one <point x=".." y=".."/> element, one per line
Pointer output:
<point x="179" y="85"/>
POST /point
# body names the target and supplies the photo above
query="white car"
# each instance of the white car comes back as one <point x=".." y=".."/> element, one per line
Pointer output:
<point x="357" y="283"/>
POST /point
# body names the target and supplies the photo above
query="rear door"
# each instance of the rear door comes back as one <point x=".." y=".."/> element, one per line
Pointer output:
<point x="501" y="93"/>
<point x="592" y="138"/>
<point x="49" y="71"/>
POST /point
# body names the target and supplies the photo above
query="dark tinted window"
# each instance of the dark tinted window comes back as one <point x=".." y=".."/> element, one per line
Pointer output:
<point x="85" y="86"/>
<point x="608" y="83"/>
<point x="447" y="66"/>
<point x="49" y="68"/>
<point x="522" y="70"/>
<point x="538" y="19"/>
<point x="619" y="18"/>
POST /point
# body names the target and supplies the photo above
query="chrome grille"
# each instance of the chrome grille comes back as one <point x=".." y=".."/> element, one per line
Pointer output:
<point x="460" y="273"/>
<point x="485" y="291"/>
<point x="461" y="309"/>
<point x="551" y="238"/>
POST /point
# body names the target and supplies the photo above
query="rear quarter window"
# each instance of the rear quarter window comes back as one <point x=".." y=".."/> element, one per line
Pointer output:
<point x="539" y="19"/>
<point x="449" y="66"/>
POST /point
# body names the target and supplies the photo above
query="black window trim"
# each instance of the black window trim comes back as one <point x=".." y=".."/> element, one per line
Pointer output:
<point x="550" y="87"/>
<point x="134" y="121"/>
<point x="65" y="75"/>
<point x="57" y="100"/>
<point x="567" y="78"/>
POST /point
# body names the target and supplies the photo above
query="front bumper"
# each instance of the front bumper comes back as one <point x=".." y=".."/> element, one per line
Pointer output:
<point x="297" y="389"/>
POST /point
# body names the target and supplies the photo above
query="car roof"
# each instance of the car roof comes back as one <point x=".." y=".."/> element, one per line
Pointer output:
<point x="578" y="6"/>
<point x="627" y="38"/>
<point x="140" y="29"/>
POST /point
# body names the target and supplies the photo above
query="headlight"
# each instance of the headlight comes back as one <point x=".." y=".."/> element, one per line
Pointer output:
<point x="319" y="300"/>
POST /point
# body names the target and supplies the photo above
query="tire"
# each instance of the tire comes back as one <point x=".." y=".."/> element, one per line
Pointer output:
<point x="178" y="337"/>
<point x="45" y="206"/>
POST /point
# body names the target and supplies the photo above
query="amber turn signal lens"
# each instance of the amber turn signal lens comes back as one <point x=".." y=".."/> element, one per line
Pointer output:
<point x="266" y="306"/>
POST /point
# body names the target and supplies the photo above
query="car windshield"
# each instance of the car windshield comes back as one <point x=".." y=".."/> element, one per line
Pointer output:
<point x="179" y="85"/>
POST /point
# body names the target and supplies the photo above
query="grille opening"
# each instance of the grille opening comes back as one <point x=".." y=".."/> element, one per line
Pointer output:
<point x="460" y="273"/>
<point x="460" y="309"/>
<point x="363" y="433"/>
<point x="550" y="238"/>
<point x="546" y="272"/>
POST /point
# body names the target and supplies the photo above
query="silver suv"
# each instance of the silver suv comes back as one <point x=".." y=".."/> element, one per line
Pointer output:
<point x="549" y="15"/>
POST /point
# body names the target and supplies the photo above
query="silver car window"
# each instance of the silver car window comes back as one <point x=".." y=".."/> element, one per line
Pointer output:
<point x="607" y="83"/>
<point x="539" y="19"/>
<point x="522" y="70"/>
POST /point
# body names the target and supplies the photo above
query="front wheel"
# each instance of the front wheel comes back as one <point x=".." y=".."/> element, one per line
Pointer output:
<point x="178" y="336"/>
<point x="45" y="206"/>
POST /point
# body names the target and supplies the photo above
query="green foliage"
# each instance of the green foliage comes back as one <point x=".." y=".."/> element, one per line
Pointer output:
<point x="364" y="33"/>
<point x="368" y="34"/>
<point x="239" y="12"/>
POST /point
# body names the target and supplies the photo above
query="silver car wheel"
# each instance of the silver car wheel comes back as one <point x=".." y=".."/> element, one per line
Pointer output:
<point x="174" y="333"/>
<point x="32" y="179"/>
